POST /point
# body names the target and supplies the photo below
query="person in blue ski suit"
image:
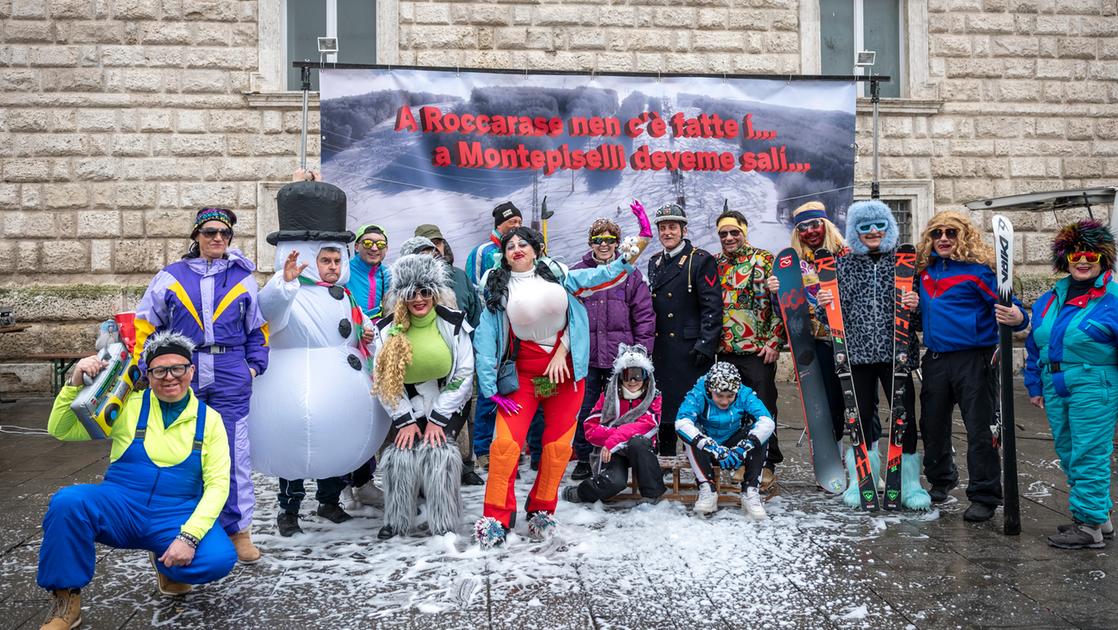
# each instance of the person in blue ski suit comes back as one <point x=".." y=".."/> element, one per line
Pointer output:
<point x="1072" y="374"/>
<point x="210" y="296"/>
<point x="959" y="315"/>
<point x="723" y="420"/>
<point x="167" y="481"/>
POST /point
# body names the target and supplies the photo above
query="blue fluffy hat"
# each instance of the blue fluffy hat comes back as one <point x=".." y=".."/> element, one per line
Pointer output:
<point x="867" y="212"/>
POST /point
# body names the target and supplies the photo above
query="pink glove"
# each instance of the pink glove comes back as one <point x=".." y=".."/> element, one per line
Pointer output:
<point x="642" y="218"/>
<point x="507" y="405"/>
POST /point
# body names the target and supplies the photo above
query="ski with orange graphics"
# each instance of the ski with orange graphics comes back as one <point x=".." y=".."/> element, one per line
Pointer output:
<point x="867" y="485"/>
<point x="904" y="272"/>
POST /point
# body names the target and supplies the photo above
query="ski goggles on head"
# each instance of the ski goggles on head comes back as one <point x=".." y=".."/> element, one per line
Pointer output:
<point x="634" y="374"/>
<point x="936" y="234"/>
<point x="603" y="239"/>
<point x="419" y="293"/>
<point x="809" y="225"/>
<point x="369" y="243"/>
<point x="1090" y="258"/>
<point x="872" y="226"/>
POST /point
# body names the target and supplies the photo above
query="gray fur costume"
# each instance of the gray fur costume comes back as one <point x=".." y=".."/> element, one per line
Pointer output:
<point x="434" y="470"/>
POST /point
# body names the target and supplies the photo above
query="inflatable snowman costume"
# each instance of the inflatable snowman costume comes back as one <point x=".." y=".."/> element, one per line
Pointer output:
<point x="312" y="413"/>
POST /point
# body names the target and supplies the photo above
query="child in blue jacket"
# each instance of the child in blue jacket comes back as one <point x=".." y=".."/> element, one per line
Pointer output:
<point x="723" y="420"/>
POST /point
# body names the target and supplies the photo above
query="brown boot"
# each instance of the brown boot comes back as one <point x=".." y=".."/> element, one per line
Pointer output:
<point x="247" y="553"/>
<point x="166" y="585"/>
<point x="65" y="611"/>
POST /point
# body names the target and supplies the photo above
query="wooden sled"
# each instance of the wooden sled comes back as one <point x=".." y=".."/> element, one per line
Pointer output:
<point x="727" y="486"/>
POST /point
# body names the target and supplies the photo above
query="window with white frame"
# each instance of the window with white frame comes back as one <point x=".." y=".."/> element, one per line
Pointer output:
<point x="849" y="26"/>
<point x="353" y="22"/>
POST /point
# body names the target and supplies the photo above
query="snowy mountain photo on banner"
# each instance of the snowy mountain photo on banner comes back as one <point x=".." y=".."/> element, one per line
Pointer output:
<point x="410" y="146"/>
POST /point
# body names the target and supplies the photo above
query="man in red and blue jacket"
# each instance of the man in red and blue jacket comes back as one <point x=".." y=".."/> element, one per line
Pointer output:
<point x="959" y="315"/>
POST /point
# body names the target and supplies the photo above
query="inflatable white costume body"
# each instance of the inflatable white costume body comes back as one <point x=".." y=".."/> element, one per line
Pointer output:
<point x="312" y="414"/>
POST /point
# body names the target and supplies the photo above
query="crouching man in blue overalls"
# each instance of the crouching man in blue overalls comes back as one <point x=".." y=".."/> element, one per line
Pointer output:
<point x="167" y="481"/>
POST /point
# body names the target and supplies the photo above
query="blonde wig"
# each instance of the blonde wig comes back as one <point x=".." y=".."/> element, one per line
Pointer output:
<point x="832" y="238"/>
<point x="969" y="246"/>
<point x="393" y="361"/>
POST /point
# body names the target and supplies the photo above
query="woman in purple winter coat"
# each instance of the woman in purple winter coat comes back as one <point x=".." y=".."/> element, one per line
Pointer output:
<point x="621" y="315"/>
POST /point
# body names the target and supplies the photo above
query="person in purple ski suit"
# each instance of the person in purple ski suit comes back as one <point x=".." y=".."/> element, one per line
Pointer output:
<point x="210" y="297"/>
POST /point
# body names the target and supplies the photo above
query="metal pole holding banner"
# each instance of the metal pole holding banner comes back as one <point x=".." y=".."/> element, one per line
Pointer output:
<point x="875" y="98"/>
<point x="305" y="73"/>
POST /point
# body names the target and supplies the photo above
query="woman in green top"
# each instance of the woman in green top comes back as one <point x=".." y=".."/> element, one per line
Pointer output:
<point x="424" y="379"/>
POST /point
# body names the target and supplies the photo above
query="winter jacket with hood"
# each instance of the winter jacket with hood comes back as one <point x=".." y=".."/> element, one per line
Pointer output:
<point x="957" y="305"/>
<point x="437" y="400"/>
<point x="614" y="419"/>
<point x="491" y="339"/>
<point x="621" y="315"/>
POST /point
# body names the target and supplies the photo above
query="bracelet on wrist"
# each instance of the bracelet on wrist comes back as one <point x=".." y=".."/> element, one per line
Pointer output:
<point x="188" y="539"/>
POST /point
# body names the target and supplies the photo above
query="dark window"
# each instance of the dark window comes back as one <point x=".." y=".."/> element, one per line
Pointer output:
<point x="847" y="26"/>
<point x="354" y="24"/>
<point x="902" y="212"/>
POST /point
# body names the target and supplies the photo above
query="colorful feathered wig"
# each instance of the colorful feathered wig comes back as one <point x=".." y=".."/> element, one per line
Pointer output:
<point x="969" y="247"/>
<point x="1086" y="235"/>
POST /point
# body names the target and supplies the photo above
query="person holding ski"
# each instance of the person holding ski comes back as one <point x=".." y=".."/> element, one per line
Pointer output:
<point x="867" y="297"/>
<point x="532" y="350"/>
<point x="688" y="305"/>
<point x="752" y="330"/>
<point x="959" y="315"/>
<point x="813" y="230"/>
<point x="1072" y="374"/>
<point x="424" y="378"/>
<point x="722" y="420"/>
<point x="622" y="427"/>
<point x="618" y="316"/>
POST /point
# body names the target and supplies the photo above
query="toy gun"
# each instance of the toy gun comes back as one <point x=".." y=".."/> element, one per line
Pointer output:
<point x="98" y="404"/>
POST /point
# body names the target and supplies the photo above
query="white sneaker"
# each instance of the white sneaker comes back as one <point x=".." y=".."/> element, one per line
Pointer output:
<point x="707" y="502"/>
<point x="370" y="494"/>
<point x="752" y="506"/>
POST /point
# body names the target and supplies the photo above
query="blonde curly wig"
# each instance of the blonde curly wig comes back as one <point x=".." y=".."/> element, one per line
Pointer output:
<point x="832" y="238"/>
<point x="393" y="361"/>
<point x="969" y="247"/>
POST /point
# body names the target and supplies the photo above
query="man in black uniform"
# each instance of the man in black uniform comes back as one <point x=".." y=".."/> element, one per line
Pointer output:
<point x="687" y="300"/>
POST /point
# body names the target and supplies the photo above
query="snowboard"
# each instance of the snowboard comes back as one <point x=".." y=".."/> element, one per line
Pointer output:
<point x="867" y="490"/>
<point x="904" y="272"/>
<point x="826" y="458"/>
<point x="1003" y="256"/>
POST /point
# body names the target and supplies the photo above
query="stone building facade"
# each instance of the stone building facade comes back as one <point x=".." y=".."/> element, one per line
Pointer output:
<point x="121" y="117"/>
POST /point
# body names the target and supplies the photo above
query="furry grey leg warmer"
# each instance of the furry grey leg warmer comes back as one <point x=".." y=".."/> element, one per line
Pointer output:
<point x="401" y="487"/>
<point x="441" y="476"/>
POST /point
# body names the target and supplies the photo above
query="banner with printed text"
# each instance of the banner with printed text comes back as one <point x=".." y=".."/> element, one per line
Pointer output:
<point x="412" y="146"/>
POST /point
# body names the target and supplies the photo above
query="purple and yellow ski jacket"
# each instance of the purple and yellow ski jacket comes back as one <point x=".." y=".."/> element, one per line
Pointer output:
<point x="214" y="303"/>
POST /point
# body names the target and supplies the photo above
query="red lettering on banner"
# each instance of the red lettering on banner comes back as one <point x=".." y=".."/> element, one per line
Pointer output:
<point x="404" y="120"/>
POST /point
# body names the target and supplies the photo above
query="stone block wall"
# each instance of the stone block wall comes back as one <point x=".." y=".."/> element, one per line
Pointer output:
<point x="121" y="117"/>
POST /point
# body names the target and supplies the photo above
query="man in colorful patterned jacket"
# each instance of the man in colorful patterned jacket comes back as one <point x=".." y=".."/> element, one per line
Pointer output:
<point x="751" y="328"/>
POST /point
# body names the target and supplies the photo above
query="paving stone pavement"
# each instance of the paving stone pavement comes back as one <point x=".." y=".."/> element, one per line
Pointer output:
<point x="814" y="563"/>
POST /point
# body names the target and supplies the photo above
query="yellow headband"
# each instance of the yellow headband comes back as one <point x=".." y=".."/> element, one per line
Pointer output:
<point x="734" y="222"/>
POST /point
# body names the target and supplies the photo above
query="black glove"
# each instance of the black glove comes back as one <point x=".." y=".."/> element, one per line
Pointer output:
<point x="698" y="357"/>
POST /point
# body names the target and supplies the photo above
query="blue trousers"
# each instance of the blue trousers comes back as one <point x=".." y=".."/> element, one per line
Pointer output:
<point x="113" y="515"/>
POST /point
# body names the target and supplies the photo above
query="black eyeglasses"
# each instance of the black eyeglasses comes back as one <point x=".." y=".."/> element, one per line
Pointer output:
<point x="225" y="233"/>
<point x="950" y="232"/>
<point x="174" y="371"/>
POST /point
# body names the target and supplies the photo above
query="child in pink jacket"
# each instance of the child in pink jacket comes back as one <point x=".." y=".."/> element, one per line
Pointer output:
<point x="623" y="428"/>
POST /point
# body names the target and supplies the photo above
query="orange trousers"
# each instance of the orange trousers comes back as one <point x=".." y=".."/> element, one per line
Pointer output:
<point x="560" y="412"/>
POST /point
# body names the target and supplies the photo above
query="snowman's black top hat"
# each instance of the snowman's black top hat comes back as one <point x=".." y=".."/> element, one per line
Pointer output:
<point x="311" y="211"/>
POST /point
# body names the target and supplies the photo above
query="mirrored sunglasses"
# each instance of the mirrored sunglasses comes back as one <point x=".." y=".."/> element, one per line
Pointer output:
<point x="225" y="233"/>
<point x="605" y="239"/>
<point x="422" y="293"/>
<point x="873" y="226"/>
<point x="634" y="374"/>
<point x="369" y="243"/>
<point x="1090" y="258"/>
<point x="809" y="225"/>
<point x="937" y="233"/>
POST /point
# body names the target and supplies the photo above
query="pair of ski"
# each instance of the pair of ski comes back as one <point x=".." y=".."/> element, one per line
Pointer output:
<point x="826" y="456"/>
